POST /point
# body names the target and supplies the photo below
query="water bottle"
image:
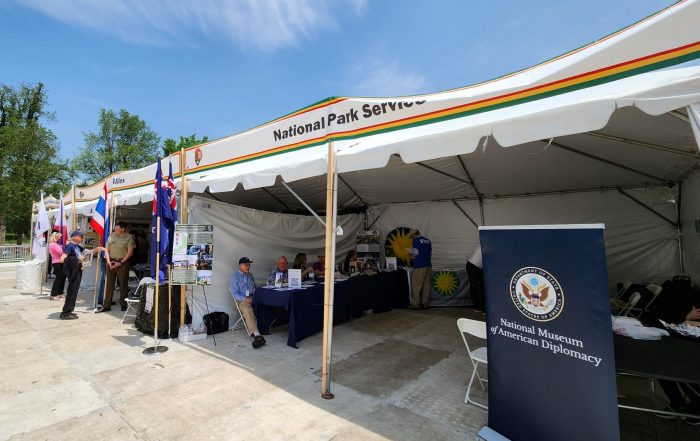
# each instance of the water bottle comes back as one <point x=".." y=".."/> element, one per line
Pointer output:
<point x="312" y="276"/>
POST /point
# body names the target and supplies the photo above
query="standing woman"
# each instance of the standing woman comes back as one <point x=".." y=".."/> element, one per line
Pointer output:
<point x="59" y="283"/>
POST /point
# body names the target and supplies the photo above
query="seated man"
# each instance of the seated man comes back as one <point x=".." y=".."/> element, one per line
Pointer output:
<point x="320" y="266"/>
<point x="242" y="287"/>
<point x="282" y="266"/>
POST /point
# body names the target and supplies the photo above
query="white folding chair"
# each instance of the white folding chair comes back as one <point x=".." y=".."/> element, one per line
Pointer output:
<point x="634" y="298"/>
<point x="616" y="302"/>
<point x="131" y="305"/>
<point x="240" y="317"/>
<point x="477" y="356"/>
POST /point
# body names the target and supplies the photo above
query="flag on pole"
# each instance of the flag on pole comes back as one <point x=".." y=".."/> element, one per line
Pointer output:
<point x="161" y="210"/>
<point x="42" y="226"/>
<point x="100" y="220"/>
<point x="60" y="223"/>
<point x="172" y="189"/>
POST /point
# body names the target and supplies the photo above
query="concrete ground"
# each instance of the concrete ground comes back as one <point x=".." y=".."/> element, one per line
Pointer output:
<point x="401" y="375"/>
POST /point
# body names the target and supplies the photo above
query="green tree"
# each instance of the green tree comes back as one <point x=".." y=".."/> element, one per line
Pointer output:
<point x="122" y="142"/>
<point x="29" y="158"/>
<point x="170" y="146"/>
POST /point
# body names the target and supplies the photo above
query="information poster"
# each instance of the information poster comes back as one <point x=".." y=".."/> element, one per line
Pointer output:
<point x="193" y="254"/>
<point x="294" y="278"/>
<point x="551" y="368"/>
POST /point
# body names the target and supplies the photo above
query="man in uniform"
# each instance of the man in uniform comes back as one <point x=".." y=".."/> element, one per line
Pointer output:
<point x="119" y="249"/>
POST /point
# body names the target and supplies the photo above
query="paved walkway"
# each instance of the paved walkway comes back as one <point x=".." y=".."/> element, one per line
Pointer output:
<point x="401" y="375"/>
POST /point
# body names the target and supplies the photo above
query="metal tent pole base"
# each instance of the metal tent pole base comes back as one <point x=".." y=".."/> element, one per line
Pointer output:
<point x="155" y="350"/>
<point x="327" y="396"/>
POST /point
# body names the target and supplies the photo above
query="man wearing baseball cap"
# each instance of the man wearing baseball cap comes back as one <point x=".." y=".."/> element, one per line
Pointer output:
<point x="72" y="260"/>
<point x="242" y="288"/>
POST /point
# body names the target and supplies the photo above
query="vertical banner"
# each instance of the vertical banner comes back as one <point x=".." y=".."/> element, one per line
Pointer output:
<point x="550" y="348"/>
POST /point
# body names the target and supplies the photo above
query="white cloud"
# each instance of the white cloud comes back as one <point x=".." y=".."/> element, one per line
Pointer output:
<point x="264" y="25"/>
<point x="381" y="77"/>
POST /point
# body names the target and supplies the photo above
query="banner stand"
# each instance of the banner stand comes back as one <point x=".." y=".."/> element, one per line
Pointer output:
<point x="204" y="291"/>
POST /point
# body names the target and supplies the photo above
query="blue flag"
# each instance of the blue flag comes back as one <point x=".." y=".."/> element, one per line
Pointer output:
<point x="161" y="210"/>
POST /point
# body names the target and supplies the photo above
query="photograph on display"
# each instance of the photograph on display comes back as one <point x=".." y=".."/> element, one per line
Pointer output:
<point x="193" y="254"/>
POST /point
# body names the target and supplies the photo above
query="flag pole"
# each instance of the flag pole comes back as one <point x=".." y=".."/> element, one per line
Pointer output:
<point x="97" y="278"/>
<point x="183" y="217"/>
<point x="156" y="348"/>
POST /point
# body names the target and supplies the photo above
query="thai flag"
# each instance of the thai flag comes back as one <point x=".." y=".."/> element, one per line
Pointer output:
<point x="100" y="220"/>
<point x="60" y="224"/>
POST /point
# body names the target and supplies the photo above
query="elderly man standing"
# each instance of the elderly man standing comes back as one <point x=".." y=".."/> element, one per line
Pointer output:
<point x="72" y="260"/>
<point x="119" y="249"/>
<point x="242" y="288"/>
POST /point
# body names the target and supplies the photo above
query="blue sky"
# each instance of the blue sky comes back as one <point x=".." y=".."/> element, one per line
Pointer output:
<point x="216" y="67"/>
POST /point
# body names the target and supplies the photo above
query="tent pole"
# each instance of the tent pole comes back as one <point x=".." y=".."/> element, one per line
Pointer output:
<point x="681" y="252"/>
<point x="313" y="213"/>
<point x="74" y="220"/>
<point x="328" y="287"/>
<point x="183" y="220"/>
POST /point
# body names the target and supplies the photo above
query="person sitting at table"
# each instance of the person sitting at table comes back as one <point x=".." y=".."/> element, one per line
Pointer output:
<point x="300" y="263"/>
<point x="678" y="303"/>
<point x="242" y="288"/>
<point x="320" y="266"/>
<point x="282" y="266"/>
<point x="349" y="258"/>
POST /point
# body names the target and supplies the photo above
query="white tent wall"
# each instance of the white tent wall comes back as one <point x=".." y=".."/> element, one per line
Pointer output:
<point x="691" y="235"/>
<point x="640" y="245"/>
<point x="260" y="236"/>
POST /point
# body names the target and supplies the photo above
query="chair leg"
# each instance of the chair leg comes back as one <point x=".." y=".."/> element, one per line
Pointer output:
<point x="467" y="399"/>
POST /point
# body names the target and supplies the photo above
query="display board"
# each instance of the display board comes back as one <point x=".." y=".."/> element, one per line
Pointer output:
<point x="367" y="246"/>
<point x="193" y="254"/>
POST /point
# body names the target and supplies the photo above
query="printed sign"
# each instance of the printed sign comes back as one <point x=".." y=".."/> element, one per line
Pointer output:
<point x="150" y="292"/>
<point x="549" y="333"/>
<point x="294" y="278"/>
<point x="193" y="254"/>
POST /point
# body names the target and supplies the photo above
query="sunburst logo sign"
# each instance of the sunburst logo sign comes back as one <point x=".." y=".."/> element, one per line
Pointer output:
<point x="445" y="283"/>
<point x="397" y="244"/>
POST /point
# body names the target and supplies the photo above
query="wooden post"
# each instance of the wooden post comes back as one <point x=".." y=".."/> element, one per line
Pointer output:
<point x="183" y="220"/>
<point x="329" y="273"/>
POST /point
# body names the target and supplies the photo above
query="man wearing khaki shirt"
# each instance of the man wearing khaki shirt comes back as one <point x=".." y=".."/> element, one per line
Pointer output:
<point x="119" y="249"/>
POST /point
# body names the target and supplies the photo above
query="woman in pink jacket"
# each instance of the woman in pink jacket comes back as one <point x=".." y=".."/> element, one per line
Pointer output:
<point x="56" y="250"/>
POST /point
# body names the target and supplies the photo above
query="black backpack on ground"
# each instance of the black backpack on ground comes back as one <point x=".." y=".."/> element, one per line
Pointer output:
<point x="216" y="322"/>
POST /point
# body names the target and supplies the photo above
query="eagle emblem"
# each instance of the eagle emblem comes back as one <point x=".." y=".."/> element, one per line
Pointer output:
<point x="536" y="293"/>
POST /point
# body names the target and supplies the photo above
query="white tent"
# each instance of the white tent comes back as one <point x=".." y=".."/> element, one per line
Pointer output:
<point x="600" y="134"/>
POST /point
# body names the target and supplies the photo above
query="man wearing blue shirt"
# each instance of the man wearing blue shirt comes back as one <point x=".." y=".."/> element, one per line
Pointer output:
<point x="242" y="288"/>
<point x="422" y="266"/>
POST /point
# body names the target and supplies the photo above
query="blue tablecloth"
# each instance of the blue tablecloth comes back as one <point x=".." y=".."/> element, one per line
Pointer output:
<point x="380" y="292"/>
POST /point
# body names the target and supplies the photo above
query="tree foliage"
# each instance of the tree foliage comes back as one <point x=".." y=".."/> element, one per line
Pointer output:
<point x="123" y="142"/>
<point x="170" y="146"/>
<point x="29" y="156"/>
